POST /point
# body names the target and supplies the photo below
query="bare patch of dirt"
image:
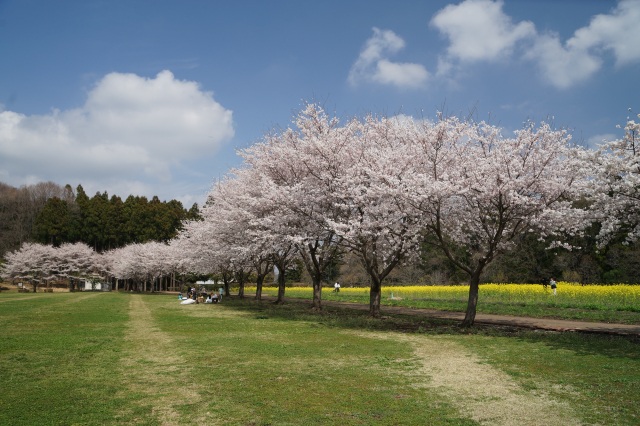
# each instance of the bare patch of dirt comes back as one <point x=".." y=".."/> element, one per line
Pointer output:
<point x="488" y="395"/>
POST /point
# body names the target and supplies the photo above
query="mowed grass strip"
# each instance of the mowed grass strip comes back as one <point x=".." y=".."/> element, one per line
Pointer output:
<point x="117" y="358"/>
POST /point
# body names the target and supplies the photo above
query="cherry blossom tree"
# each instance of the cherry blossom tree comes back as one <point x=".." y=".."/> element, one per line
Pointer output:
<point x="38" y="262"/>
<point x="478" y="190"/>
<point x="298" y="167"/>
<point x="122" y="262"/>
<point x="224" y="242"/>
<point x="32" y="262"/>
<point x="338" y="181"/>
<point x="380" y="186"/>
<point x="76" y="261"/>
<point x="239" y="205"/>
<point x="142" y="263"/>
<point x="377" y="221"/>
<point x="615" y="193"/>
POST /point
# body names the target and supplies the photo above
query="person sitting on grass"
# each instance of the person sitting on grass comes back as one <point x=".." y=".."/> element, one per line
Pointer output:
<point x="211" y="298"/>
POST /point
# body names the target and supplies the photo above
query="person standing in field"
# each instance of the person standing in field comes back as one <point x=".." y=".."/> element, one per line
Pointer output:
<point x="553" y="285"/>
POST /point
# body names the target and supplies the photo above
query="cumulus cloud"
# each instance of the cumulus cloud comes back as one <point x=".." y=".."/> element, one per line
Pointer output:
<point x="561" y="66"/>
<point x="479" y="30"/>
<point x="373" y="64"/>
<point x="132" y="132"/>
<point x="575" y="61"/>
<point x="618" y="32"/>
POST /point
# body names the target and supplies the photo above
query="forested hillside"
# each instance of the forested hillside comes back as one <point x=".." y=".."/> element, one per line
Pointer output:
<point x="51" y="214"/>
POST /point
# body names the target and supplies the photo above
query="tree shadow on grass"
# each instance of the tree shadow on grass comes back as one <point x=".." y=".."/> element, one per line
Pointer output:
<point x="581" y="343"/>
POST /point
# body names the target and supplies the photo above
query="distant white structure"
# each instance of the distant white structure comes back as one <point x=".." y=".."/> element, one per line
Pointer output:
<point x="207" y="282"/>
<point x="88" y="285"/>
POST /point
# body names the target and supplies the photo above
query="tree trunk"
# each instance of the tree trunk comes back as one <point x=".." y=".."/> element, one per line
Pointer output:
<point x="317" y="293"/>
<point x="262" y="269"/>
<point x="281" y="265"/>
<point x="472" y="304"/>
<point x="375" y="294"/>
<point x="281" y="287"/>
<point x="259" y="282"/>
<point x="315" y="267"/>
<point x="240" y="276"/>
<point x="225" y="280"/>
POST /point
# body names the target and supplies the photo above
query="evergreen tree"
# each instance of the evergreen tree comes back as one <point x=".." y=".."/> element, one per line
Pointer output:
<point x="53" y="223"/>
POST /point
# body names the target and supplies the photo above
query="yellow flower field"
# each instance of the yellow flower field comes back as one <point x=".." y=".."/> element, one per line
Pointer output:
<point x="614" y="297"/>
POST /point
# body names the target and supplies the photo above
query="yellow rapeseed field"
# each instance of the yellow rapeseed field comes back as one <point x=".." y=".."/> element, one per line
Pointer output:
<point x="617" y="296"/>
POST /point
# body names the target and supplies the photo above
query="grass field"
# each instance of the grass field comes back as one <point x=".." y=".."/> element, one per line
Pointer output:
<point x="118" y="358"/>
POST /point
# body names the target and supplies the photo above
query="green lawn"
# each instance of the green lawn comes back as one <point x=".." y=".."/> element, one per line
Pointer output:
<point x="117" y="358"/>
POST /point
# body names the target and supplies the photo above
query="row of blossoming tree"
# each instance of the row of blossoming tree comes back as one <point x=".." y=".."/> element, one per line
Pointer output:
<point x="380" y="187"/>
<point x="136" y="266"/>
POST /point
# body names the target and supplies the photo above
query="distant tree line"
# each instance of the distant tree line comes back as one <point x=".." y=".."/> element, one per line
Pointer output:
<point x="51" y="214"/>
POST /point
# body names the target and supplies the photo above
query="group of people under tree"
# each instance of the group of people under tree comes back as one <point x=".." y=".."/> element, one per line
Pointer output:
<point x="203" y="296"/>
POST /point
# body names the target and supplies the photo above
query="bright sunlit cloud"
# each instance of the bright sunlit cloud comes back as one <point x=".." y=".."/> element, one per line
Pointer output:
<point x="132" y="131"/>
<point x="373" y="64"/>
<point x="564" y="65"/>
<point x="480" y="31"/>
<point x="618" y="32"/>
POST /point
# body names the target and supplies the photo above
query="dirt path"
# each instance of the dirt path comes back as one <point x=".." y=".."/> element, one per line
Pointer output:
<point x="480" y="391"/>
<point x="152" y="368"/>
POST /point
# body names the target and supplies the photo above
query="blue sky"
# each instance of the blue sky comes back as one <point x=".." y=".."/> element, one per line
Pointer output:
<point x="155" y="97"/>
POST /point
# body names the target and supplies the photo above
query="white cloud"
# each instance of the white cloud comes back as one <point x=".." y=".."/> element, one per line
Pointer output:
<point x="400" y="74"/>
<point x="478" y="30"/>
<point x="582" y="55"/>
<point x="373" y="64"/>
<point x="128" y="138"/>
<point x="561" y="66"/>
<point x="618" y="32"/>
